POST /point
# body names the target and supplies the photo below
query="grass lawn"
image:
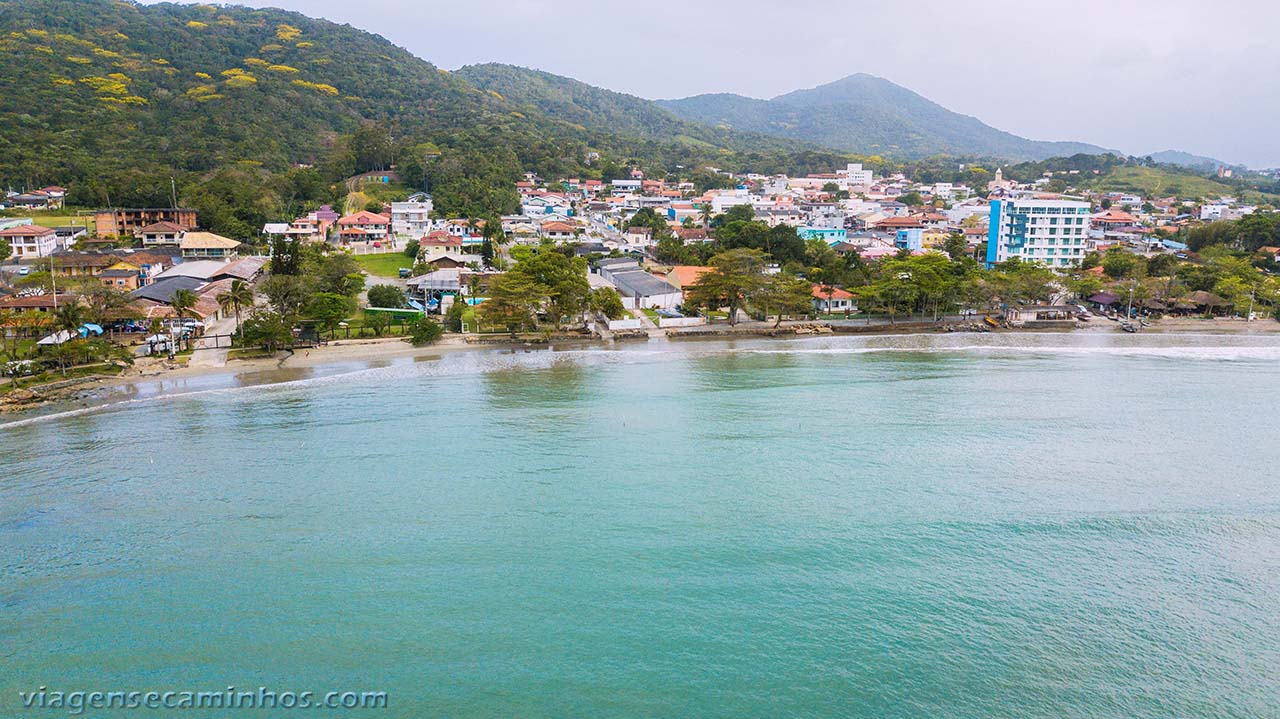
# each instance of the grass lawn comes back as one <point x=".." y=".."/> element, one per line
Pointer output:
<point x="54" y="219"/>
<point x="652" y="314"/>
<point x="383" y="265"/>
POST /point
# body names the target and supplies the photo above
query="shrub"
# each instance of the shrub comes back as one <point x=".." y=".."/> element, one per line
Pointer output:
<point x="424" y="331"/>
<point x="386" y="296"/>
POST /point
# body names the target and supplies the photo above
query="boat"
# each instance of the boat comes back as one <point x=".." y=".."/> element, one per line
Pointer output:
<point x="990" y="321"/>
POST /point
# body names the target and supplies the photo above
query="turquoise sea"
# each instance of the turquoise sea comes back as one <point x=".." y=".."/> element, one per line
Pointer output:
<point x="922" y="526"/>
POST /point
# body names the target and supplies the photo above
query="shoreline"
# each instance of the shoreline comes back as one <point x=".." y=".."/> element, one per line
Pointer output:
<point x="150" y="377"/>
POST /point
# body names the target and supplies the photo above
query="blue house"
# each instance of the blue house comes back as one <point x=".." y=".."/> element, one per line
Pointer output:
<point x="909" y="239"/>
<point x="830" y="235"/>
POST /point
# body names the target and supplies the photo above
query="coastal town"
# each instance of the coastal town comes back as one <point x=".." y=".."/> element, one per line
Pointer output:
<point x="100" y="290"/>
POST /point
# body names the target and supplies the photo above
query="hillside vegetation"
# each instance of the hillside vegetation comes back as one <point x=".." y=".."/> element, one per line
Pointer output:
<point x="259" y="113"/>
<point x="588" y="106"/>
<point x="870" y="115"/>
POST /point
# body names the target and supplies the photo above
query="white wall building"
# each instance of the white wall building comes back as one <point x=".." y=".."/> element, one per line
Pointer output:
<point x="30" y="240"/>
<point x="1052" y="232"/>
<point x="411" y="219"/>
<point x="855" y="175"/>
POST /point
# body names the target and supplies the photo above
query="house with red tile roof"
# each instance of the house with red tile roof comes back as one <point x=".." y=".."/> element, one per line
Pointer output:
<point x="30" y="241"/>
<point x="828" y="300"/>
<point x="437" y="243"/>
<point x="364" y="226"/>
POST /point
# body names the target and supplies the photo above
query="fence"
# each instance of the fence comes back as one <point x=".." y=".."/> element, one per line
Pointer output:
<point x="632" y="324"/>
<point x="681" y="321"/>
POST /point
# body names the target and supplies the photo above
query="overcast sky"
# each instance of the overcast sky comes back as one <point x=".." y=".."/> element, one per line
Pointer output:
<point x="1135" y="75"/>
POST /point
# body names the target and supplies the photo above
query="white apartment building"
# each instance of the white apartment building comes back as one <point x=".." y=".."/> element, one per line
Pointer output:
<point x="856" y="176"/>
<point x="411" y="219"/>
<point x="30" y="240"/>
<point x="1052" y="232"/>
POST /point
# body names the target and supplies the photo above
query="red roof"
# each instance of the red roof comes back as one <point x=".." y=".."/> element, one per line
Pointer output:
<point x="819" y="292"/>
<point x="364" y="217"/>
<point x="440" y="238"/>
<point x="25" y="231"/>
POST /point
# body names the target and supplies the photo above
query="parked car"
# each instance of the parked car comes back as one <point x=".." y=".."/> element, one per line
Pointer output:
<point x="24" y="271"/>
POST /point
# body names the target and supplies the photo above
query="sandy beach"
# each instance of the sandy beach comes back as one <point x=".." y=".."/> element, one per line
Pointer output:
<point x="157" y="376"/>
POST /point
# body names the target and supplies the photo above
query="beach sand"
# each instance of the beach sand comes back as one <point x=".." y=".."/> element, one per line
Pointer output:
<point x="156" y="376"/>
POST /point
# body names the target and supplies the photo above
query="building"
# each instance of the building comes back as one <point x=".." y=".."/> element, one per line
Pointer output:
<point x="206" y="245"/>
<point x="364" y="226"/>
<point x="123" y="222"/>
<point x="122" y="276"/>
<point x="829" y="235"/>
<point x="82" y="264"/>
<point x="858" y="177"/>
<point x="1052" y="232"/>
<point x="560" y="231"/>
<point x="831" y="300"/>
<point x="439" y="243"/>
<point x="909" y="238"/>
<point x="30" y="241"/>
<point x="411" y="218"/>
<point x="161" y="234"/>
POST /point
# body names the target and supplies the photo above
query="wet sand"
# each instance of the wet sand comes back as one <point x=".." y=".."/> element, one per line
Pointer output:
<point x="151" y="377"/>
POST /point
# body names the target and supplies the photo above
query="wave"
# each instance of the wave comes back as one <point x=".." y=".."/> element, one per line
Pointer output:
<point x="1229" y="348"/>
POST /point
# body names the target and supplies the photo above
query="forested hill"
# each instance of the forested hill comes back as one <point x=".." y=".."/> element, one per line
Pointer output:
<point x="870" y="115"/>
<point x="88" y="81"/>
<point x="592" y="107"/>
<point x="113" y="97"/>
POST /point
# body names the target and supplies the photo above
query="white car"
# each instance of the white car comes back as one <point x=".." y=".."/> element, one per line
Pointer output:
<point x="24" y="271"/>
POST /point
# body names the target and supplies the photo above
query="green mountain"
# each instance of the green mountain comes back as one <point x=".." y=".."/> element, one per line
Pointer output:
<point x="871" y="116"/>
<point x="1188" y="160"/>
<point x="588" y="106"/>
<point x="112" y="98"/>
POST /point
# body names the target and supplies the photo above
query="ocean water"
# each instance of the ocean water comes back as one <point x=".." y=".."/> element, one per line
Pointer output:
<point x="955" y="526"/>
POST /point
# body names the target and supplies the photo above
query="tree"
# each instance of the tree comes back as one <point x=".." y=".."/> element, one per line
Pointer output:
<point x="513" y="302"/>
<point x="734" y="277"/>
<point x="911" y="199"/>
<point x="956" y="246"/>
<point x="562" y="278"/>
<point x="424" y="331"/>
<point x="5" y="249"/>
<point x="339" y="273"/>
<point x="329" y="309"/>
<point x="386" y="296"/>
<point x="239" y="295"/>
<point x="411" y="249"/>
<point x="104" y="303"/>
<point x="183" y="303"/>
<point x="785" y="295"/>
<point x="606" y="301"/>
<point x="268" y="329"/>
<point x="286" y="255"/>
<point x="378" y="322"/>
<point x="1120" y="264"/>
<point x="286" y="294"/>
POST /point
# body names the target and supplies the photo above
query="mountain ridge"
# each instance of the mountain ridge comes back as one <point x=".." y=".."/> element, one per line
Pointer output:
<point x="867" y="114"/>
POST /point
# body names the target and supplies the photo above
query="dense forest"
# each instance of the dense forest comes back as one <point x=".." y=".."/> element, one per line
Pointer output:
<point x="254" y="113"/>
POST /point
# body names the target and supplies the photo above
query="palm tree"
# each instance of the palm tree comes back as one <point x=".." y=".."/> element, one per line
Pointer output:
<point x="705" y="214"/>
<point x="182" y="302"/>
<point x="69" y="317"/>
<point x="240" y="294"/>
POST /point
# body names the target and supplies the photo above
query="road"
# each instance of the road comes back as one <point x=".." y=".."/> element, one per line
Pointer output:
<point x="205" y="354"/>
